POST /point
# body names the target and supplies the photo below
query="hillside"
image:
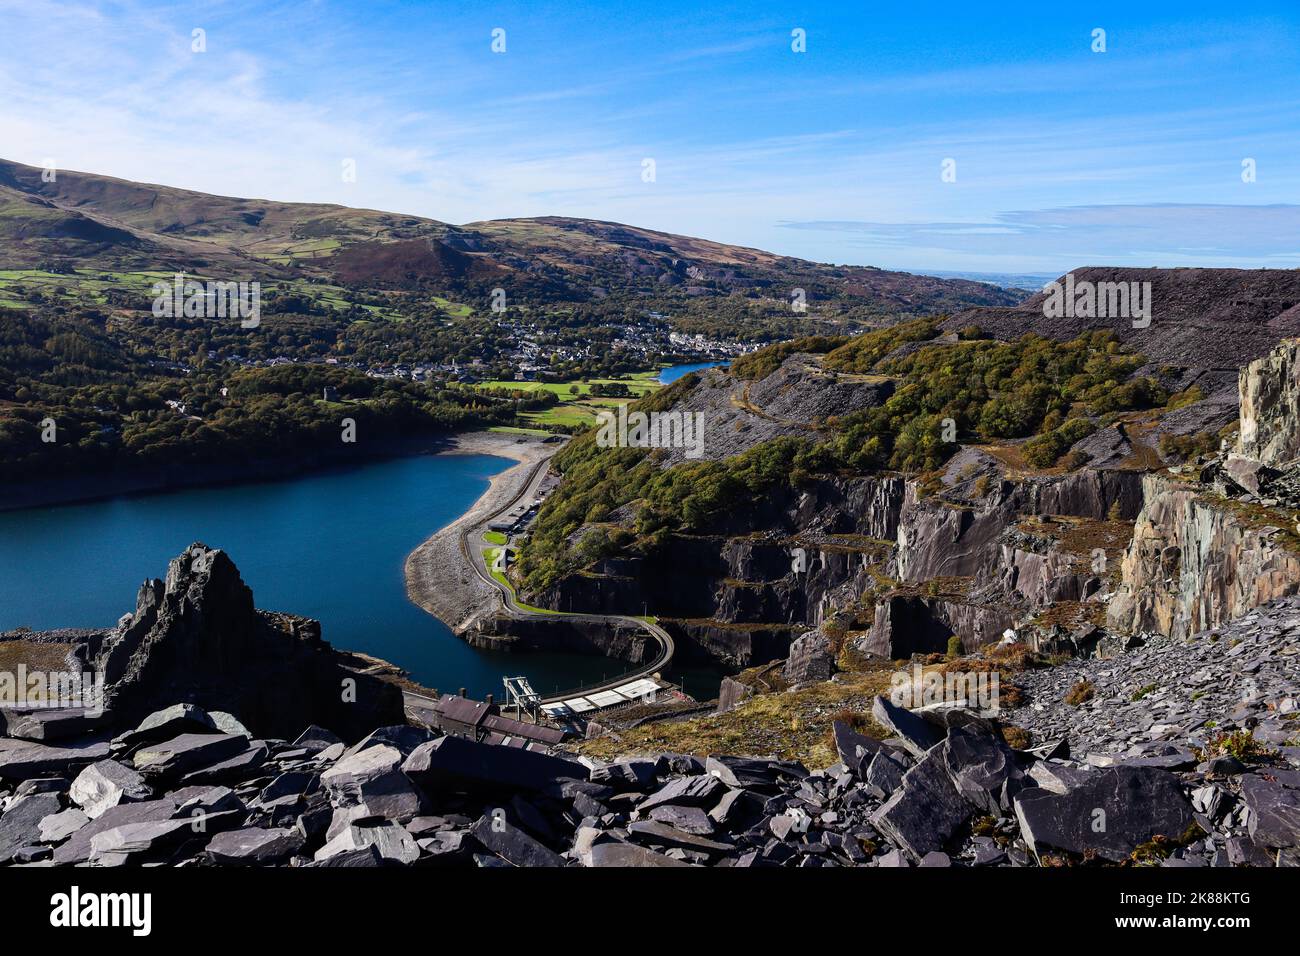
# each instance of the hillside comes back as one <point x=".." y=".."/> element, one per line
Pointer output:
<point x="99" y="221"/>
<point x="1209" y="318"/>
<point x="895" y="490"/>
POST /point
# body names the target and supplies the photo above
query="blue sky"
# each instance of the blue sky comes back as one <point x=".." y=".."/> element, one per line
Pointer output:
<point x="1064" y="157"/>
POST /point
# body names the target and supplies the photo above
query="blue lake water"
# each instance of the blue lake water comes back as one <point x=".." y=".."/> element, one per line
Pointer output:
<point x="674" y="372"/>
<point x="330" y="546"/>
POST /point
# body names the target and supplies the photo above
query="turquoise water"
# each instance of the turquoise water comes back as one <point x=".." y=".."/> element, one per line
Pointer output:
<point x="674" y="372"/>
<point x="330" y="546"/>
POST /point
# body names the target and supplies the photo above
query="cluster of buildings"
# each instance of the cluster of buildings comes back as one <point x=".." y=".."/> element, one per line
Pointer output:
<point x="481" y="721"/>
<point x="533" y="352"/>
<point x="517" y="518"/>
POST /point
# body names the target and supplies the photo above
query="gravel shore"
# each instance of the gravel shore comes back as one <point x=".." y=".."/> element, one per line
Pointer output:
<point x="438" y="578"/>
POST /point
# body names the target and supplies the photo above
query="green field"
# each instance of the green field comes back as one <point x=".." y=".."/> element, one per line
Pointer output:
<point x="490" y="555"/>
<point x="495" y="537"/>
<point x="577" y="409"/>
<point x="513" y="430"/>
<point x="638" y="383"/>
<point x="458" y="309"/>
<point x="93" y="286"/>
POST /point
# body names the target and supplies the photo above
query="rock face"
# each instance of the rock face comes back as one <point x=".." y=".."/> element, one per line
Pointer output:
<point x="811" y="659"/>
<point x="1270" y="406"/>
<point x="1194" y="563"/>
<point x="747" y="588"/>
<point x="196" y="637"/>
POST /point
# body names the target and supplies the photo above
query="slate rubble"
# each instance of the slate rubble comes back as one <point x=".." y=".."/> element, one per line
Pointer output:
<point x="405" y="797"/>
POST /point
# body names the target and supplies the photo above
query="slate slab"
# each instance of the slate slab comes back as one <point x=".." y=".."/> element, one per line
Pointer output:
<point x="1110" y="813"/>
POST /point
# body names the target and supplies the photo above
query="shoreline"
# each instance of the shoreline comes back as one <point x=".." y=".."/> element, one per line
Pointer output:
<point x="437" y="578"/>
<point x="85" y="489"/>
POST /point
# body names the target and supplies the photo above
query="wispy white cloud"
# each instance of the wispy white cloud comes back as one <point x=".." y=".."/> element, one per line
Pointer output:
<point x="1161" y="234"/>
<point x="442" y="128"/>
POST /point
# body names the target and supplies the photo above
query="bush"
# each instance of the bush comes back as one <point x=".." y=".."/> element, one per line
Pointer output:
<point x="1043" y="451"/>
<point x="1083" y="691"/>
<point x="1184" y="447"/>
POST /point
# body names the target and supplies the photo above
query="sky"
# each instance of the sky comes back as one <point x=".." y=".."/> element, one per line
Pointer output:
<point x="979" y="138"/>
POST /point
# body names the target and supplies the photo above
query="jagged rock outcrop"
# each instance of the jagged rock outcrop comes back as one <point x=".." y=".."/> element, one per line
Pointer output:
<point x="196" y="637"/>
<point x="1195" y="563"/>
<point x="1270" y="406"/>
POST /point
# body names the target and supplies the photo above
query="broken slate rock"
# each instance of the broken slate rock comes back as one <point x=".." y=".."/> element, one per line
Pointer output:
<point x="168" y="723"/>
<point x="59" y="826"/>
<point x="983" y="769"/>
<point x="1111" y="813"/>
<point x="701" y="791"/>
<point x="917" y="734"/>
<point x="1275" y="811"/>
<point x="25" y="759"/>
<point x="512" y="844"/>
<point x="884" y="774"/>
<point x="661" y="834"/>
<point x="20" y="825"/>
<point x="105" y="784"/>
<point x="628" y="855"/>
<point x="455" y="761"/>
<point x="924" y="813"/>
<point x="754" y="773"/>
<point x="391" y="840"/>
<point x="855" y="749"/>
<point x="254" y="845"/>
<point x="49" y="725"/>
<point x="187" y="752"/>
<point x="373" y="778"/>
<point x="690" y="819"/>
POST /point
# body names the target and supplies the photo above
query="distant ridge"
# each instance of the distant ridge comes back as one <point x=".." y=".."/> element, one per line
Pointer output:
<point x="92" y="221"/>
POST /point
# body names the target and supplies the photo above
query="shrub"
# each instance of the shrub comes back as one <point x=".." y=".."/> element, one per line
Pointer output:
<point x="1240" y="744"/>
<point x="1183" y="447"/>
<point x="1043" y="451"/>
<point x="1017" y="738"/>
<point x="1084" y="690"/>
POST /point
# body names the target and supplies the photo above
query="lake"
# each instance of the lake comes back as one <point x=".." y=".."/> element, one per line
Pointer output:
<point x="330" y="546"/>
<point x="674" y="372"/>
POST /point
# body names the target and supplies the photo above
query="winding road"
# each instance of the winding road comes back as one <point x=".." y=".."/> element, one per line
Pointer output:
<point x="472" y="547"/>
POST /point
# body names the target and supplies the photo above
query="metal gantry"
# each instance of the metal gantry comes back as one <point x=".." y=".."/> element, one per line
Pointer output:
<point x="521" y="693"/>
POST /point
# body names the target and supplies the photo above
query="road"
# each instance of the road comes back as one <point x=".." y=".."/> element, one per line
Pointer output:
<point x="472" y="547"/>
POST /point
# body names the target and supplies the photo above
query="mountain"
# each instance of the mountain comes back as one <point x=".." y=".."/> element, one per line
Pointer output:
<point x="90" y="221"/>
